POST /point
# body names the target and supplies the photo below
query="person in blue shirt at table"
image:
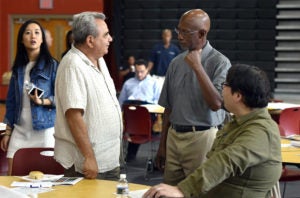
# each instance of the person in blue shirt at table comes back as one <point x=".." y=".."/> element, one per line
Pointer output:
<point x="142" y="87"/>
<point x="161" y="56"/>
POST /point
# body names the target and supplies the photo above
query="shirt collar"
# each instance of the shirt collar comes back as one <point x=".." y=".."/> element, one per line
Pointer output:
<point x="84" y="58"/>
<point x="147" y="78"/>
<point x="260" y="112"/>
<point x="205" y="51"/>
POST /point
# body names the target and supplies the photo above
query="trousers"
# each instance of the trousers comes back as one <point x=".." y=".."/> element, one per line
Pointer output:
<point x="185" y="152"/>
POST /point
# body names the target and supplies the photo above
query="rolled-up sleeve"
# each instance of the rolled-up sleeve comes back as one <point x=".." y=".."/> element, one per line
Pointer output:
<point x="220" y="74"/>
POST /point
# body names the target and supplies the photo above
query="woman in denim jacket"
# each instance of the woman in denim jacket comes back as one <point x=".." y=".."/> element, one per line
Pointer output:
<point x="30" y="117"/>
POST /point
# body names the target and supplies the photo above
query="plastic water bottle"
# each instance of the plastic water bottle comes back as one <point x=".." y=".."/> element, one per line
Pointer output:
<point x="122" y="187"/>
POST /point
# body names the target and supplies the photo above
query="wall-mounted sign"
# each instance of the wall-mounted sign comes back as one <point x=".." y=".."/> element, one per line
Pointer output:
<point x="46" y="4"/>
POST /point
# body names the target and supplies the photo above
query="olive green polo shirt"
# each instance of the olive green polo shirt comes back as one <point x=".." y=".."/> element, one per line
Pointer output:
<point x="244" y="162"/>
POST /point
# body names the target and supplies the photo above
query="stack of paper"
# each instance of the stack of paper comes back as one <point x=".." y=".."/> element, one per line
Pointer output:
<point x="10" y="193"/>
<point x="295" y="143"/>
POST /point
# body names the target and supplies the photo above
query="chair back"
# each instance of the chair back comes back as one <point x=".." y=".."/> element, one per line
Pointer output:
<point x="137" y="122"/>
<point x="289" y="121"/>
<point x="35" y="159"/>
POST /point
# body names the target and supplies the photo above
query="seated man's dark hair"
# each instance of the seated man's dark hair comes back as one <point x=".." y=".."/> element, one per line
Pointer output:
<point x="141" y="62"/>
<point x="251" y="82"/>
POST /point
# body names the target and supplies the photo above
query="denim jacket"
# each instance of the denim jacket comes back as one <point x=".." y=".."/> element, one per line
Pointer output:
<point x="43" y="117"/>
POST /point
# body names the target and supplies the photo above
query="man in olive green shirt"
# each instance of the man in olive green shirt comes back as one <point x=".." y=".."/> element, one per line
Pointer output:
<point x="245" y="159"/>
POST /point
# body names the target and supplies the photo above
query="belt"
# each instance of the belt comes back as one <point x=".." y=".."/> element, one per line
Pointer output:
<point x="185" y="129"/>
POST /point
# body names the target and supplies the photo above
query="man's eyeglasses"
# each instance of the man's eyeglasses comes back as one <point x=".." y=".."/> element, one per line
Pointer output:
<point x="225" y="84"/>
<point x="184" y="32"/>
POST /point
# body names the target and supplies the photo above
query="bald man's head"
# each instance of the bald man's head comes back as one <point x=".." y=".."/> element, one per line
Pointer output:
<point x="197" y="18"/>
<point x="192" y="29"/>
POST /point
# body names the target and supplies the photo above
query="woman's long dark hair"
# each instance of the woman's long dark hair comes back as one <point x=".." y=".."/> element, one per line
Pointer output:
<point x="21" y="58"/>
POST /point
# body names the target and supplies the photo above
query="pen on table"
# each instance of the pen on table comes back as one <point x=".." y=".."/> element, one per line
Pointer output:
<point x="35" y="186"/>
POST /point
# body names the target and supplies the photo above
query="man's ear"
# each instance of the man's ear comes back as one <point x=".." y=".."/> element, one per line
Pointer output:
<point x="237" y="97"/>
<point x="90" y="41"/>
<point x="202" y="33"/>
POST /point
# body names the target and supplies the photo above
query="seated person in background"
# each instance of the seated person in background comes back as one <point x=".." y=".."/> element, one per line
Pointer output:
<point x="127" y="71"/>
<point x="139" y="90"/>
<point x="142" y="87"/>
<point x="245" y="159"/>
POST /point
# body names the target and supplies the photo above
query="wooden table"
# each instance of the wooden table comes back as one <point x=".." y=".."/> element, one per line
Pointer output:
<point x="273" y="107"/>
<point x="281" y="105"/>
<point x="154" y="108"/>
<point x="83" y="189"/>
<point x="290" y="154"/>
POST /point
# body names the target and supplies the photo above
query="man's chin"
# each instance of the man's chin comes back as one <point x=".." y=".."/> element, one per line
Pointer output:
<point x="183" y="47"/>
<point x="104" y="53"/>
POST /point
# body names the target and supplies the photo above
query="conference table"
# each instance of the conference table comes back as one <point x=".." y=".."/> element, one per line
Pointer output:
<point x="154" y="108"/>
<point x="290" y="154"/>
<point x="273" y="107"/>
<point x="84" y="188"/>
<point x="104" y="188"/>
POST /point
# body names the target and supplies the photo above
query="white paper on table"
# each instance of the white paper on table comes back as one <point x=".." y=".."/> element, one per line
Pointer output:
<point x="32" y="184"/>
<point x="295" y="143"/>
<point x="10" y="193"/>
<point x="46" y="178"/>
<point x="281" y="105"/>
<point x="137" y="193"/>
<point x="31" y="191"/>
<point x="285" y="145"/>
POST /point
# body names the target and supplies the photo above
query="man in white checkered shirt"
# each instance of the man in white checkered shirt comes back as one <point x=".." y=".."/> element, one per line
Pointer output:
<point x="88" y="125"/>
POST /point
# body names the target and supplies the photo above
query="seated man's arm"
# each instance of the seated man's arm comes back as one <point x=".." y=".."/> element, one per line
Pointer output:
<point x="80" y="134"/>
<point x="156" y="93"/>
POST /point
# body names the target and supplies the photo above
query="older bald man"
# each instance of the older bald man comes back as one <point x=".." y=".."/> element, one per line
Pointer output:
<point x="192" y="99"/>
